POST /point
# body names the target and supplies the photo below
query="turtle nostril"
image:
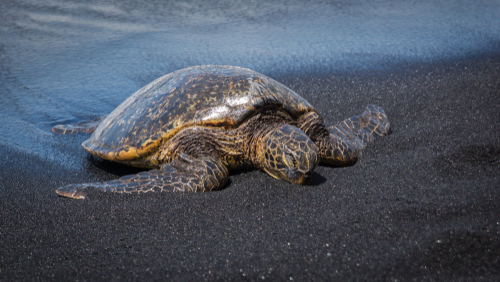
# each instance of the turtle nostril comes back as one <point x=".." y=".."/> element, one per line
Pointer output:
<point x="308" y="174"/>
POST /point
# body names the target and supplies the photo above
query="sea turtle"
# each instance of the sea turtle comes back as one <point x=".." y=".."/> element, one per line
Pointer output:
<point x="194" y="125"/>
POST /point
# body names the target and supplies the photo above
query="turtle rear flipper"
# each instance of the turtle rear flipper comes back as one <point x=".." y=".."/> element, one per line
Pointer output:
<point x="87" y="126"/>
<point x="184" y="174"/>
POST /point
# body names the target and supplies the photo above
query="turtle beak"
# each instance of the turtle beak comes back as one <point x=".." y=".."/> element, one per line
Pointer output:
<point x="300" y="178"/>
<point x="306" y="178"/>
<point x="294" y="177"/>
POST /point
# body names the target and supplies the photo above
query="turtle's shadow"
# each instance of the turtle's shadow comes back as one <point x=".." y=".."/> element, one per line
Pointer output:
<point x="97" y="164"/>
<point x="112" y="167"/>
<point x="241" y="171"/>
<point x="316" y="180"/>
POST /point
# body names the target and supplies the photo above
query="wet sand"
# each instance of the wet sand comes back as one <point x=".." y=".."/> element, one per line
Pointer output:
<point x="422" y="203"/>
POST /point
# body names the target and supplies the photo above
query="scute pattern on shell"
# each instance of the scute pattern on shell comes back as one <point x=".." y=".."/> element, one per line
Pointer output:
<point x="215" y="96"/>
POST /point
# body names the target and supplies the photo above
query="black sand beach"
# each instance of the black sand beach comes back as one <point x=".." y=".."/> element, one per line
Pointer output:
<point x="421" y="204"/>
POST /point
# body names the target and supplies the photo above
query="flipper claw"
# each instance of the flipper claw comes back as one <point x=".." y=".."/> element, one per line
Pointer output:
<point x="71" y="192"/>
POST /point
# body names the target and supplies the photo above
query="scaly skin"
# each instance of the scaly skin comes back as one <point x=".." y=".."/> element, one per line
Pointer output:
<point x="341" y="144"/>
<point x="183" y="174"/>
<point x="287" y="153"/>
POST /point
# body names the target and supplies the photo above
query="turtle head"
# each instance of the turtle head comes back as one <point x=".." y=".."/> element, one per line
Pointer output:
<point x="287" y="153"/>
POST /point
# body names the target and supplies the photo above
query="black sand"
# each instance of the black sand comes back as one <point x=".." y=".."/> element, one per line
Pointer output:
<point x="422" y="203"/>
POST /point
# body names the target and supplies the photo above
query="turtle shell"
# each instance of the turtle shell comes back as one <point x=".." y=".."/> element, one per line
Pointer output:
<point x="212" y="96"/>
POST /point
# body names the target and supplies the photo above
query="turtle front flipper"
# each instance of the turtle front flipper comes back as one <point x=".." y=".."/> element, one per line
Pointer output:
<point x="347" y="139"/>
<point x="87" y="126"/>
<point x="184" y="174"/>
<point x="371" y="123"/>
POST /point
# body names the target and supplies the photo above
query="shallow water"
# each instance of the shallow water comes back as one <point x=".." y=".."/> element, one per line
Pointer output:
<point x="66" y="61"/>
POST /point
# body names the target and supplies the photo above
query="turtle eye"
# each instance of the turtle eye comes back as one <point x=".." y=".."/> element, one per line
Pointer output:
<point x="290" y="160"/>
